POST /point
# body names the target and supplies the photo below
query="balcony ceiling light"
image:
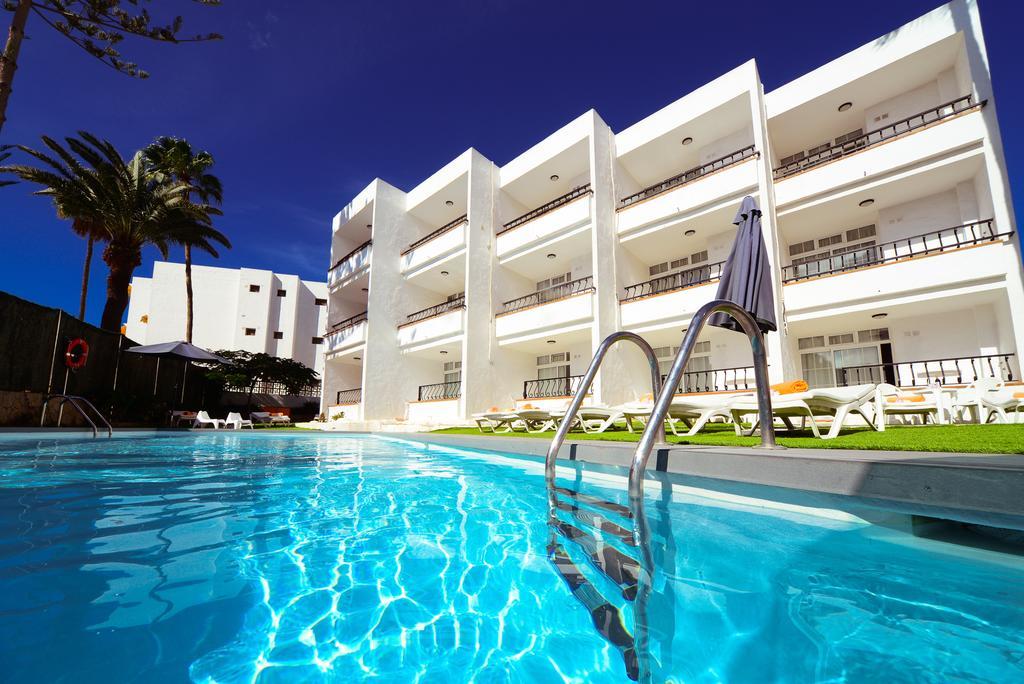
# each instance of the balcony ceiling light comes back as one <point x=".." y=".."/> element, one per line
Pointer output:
<point x="357" y="358"/>
<point x="366" y="289"/>
<point x="444" y="273"/>
<point x="449" y="203"/>
<point x="687" y="140"/>
<point x="443" y="352"/>
<point x="845" y="106"/>
<point x="552" y="255"/>
<point x="690" y="232"/>
<point x="369" y="225"/>
<point x="551" y="341"/>
<point x="554" y="176"/>
<point x="866" y="203"/>
<point x="879" y="315"/>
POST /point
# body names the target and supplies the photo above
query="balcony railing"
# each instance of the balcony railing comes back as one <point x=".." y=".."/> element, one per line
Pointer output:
<point x="552" y="387"/>
<point x="953" y="371"/>
<point x="351" y="254"/>
<point x="436" y="310"/>
<point x="675" y="281"/>
<point x="350" y="396"/>
<point x="349" y="322"/>
<point x="268" y="387"/>
<point x="823" y="155"/>
<point x="918" y="245"/>
<point x="437" y="233"/>
<point x="689" y="176"/>
<point x="573" y="194"/>
<point x="551" y="294"/>
<point x="736" y="379"/>
<point x="440" y="391"/>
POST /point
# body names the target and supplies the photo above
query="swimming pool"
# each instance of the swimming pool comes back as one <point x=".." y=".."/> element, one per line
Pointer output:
<point x="233" y="558"/>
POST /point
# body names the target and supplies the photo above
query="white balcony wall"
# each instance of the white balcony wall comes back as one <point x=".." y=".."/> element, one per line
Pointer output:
<point x="550" y="317"/>
<point x="662" y="210"/>
<point x="670" y="306"/>
<point x="941" y="138"/>
<point x="983" y="266"/>
<point x="444" y="326"/>
<point x="346" y="338"/>
<point x="349" y="267"/>
<point x="555" y="223"/>
<point x="444" y="411"/>
<point x="430" y="252"/>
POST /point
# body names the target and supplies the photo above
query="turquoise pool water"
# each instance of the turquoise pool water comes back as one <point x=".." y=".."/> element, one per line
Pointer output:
<point x="261" y="557"/>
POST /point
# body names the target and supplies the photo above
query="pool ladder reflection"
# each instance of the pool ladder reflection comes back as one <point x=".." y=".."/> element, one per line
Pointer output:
<point x="588" y="533"/>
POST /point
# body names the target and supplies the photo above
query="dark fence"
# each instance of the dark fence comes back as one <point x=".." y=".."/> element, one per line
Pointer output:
<point x="952" y="371"/>
<point x="573" y="194"/>
<point x="737" y="379"/>
<point x="441" y="390"/>
<point x="339" y="262"/>
<point x="689" y="176"/>
<point x="350" y="396"/>
<point x="436" y="310"/>
<point x="675" y="281"/>
<point x="33" y="343"/>
<point x="437" y="233"/>
<point x="349" y="322"/>
<point x="551" y="294"/>
<point x="552" y="387"/>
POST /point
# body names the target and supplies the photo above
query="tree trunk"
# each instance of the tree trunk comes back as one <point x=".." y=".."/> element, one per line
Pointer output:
<point x="85" y="276"/>
<point x="9" y="58"/>
<point x="122" y="262"/>
<point x="188" y="293"/>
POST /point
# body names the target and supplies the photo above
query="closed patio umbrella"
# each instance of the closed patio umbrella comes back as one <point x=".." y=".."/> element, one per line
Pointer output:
<point x="176" y="350"/>
<point x="746" y="276"/>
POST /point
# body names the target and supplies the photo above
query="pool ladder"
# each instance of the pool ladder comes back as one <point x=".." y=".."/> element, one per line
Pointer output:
<point x="614" y="539"/>
<point x="77" y="402"/>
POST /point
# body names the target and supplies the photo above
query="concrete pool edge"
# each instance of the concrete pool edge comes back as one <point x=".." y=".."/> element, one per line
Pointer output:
<point x="984" y="489"/>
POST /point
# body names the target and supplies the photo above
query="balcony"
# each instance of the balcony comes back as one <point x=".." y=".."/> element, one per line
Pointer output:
<point x="558" y="217"/>
<point x="347" y="333"/>
<point x="442" y="391"/>
<point x="688" y="176"/>
<point x="444" y="241"/>
<point x="552" y="387"/>
<point x="433" y="323"/>
<point x="739" y="379"/>
<point x="349" y="396"/>
<point x="669" y="296"/>
<point x="951" y="371"/>
<point x="829" y="153"/>
<point x="558" y="306"/>
<point x="915" y="246"/>
<point x="350" y="264"/>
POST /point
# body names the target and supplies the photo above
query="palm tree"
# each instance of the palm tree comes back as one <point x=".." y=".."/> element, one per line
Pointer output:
<point x="175" y="159"/>
<point x="125" y="201"/>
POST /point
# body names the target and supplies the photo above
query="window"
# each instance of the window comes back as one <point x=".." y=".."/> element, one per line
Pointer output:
<point x="249" y="332"/>
<point x="453" y="297"/>
<point x="658" y="269"/>
<point x="319" y="302"/>
<point x="318" y="340"/>
<point x="282" y="293"/>
<point x="553" y="366"/>
<point x="554" y="280"/>
<point x="845" y="338"/>
<point x="811" y="342"/>
<point x="673" y="265"/>
<point x="453" y="371"/>
<point x="699" y="257"/>
<point x="875" y="335"/>
<point x="801" y="247"/>
<point x="830" y="240"/>
<point x="825" y="367"/>
<point x="792" y="158"/>
<point x="254" y="288"/>
<point x="847" y="137"/>
<point x="278" y="335"/>
<point x="861" y="233"/>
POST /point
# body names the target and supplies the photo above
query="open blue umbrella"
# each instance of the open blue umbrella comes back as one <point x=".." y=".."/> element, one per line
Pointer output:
<point x="746" y="276"/>
<point x="176" y="350"/>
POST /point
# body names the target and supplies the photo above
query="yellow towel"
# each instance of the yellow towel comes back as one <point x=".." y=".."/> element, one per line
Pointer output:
<point x="913" y="398"/>
<point x="790" y="387"/>
<point x="528" y="406"/>
<point x="494" y="409"/>
<point x="1018" y="395"/>
<point x="647" y="397"/>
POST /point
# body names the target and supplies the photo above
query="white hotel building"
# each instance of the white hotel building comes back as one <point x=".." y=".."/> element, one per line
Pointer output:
<point x="233" y="308"/>
<point x="886" y="212"/>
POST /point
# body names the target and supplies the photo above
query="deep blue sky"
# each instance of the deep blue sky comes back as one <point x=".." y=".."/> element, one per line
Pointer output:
<point x="305" y="101"/>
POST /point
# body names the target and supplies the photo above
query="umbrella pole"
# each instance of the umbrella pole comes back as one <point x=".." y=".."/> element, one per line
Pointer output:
<point x="184" y="376"/>
<point x="156" y="375"/>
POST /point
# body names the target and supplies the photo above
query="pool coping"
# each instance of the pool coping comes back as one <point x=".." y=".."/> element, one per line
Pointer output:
<point x="976" y="488"/>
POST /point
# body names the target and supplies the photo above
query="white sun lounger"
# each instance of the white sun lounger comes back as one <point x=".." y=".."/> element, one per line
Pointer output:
<point x="892" y="401"/>
<point x="837" y="402"/>
<point x="983" y="400"/>
<point x="536" y="420"/>
<point x="693" y="411"/>
<point x="497" y="423"/>
<point x="236" y="421"/>
<point x="593" y="419"/>
<point x="203" y="418"/>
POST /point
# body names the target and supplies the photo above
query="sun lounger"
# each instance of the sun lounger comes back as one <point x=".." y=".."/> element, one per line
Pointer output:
<point x="892" y="401"/>
<point x="837" y="402"/>
<point x="984" y="400"/>
<point x="593" y="419"/>
<point x="260" y="417"/>
<point x="497" y="422"/>
<point x="179" y="417"/>
<point x="693" y="411"/>
<point x="203" y="418"/>
<point x="236" y="421"/>
<point x="536" y="420"/>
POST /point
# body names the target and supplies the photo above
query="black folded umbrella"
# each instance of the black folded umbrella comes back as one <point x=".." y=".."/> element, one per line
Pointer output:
<point x="176" y="350"/>
<point x="746" y="276"/>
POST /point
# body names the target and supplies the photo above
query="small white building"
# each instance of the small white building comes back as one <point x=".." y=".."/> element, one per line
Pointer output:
<point x="244" y="309"/>
<point x="886" y="212"/>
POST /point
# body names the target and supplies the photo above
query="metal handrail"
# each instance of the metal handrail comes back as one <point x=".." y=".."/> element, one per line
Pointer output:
<point x="545" y="388"/>
<point x="827" y="153"/>
<point x="707" y="380"/>
<point x="878" y="372"/>
<point x="437" y="233"/>
<point x="689" y="175"/>
<point x="581" y="395"/>
<point x="351" y="254"/>
<point x="73" y="400"/>
<point x="349" y="322"/>
<point x="680" y="280"/>
<point x="957" y="237"/>
<point x="436" y="310"/>
<point x="549" y="294"/>
<point x="573" y="194"/>
<point x="440" y="391"/>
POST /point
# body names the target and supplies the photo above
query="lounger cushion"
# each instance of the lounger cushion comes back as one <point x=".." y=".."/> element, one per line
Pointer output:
<point x="790" y="387"/>
<point x="913" y="398"/>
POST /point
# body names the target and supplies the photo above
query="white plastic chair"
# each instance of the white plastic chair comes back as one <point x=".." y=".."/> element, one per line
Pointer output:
<point x="203" y="418"/>
<point x="236" y="421"/>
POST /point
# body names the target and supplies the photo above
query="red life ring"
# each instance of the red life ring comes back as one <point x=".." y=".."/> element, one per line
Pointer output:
<point x="77" y="353"/>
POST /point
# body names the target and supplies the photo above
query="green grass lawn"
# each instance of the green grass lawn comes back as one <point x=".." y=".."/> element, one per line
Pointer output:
<point x="978" y="439"/>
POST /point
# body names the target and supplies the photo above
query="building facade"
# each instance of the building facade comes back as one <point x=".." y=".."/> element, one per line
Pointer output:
<point x="886" y="212"/>
<point x="239" y="309"/>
